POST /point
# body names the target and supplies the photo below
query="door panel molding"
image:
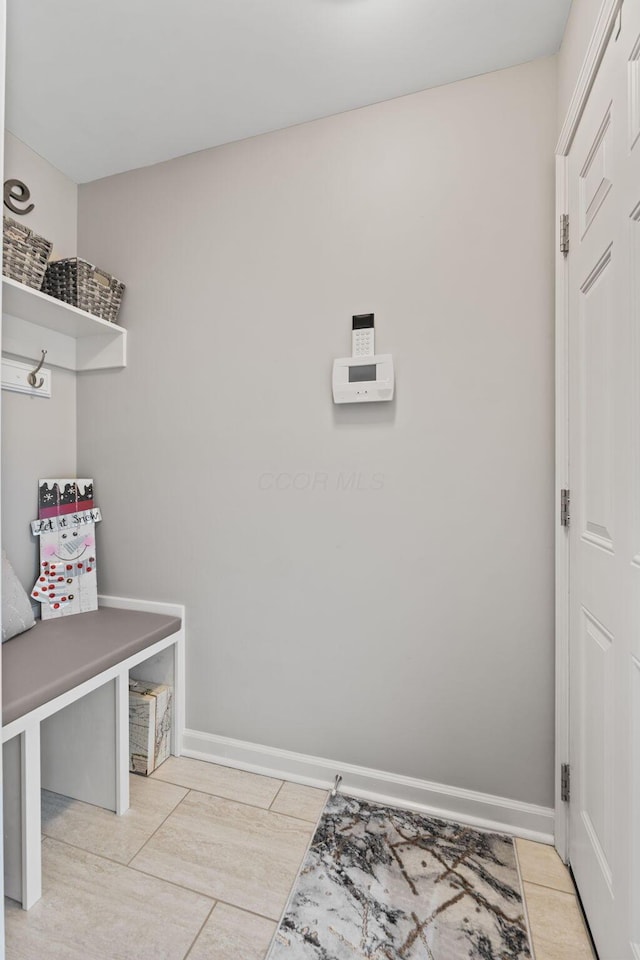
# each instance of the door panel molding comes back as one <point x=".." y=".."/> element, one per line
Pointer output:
<point x="597" y="688"/>
<point x="593" y="58"/>
<point x="595" y="182"/>
<point x="634" y="247"/>
<point x="596" y="374"/>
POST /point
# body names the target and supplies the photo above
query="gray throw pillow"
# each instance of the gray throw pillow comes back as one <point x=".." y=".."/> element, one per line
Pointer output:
<point x="17" y="615"/>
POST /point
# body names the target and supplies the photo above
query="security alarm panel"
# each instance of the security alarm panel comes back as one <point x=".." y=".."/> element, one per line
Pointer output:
<point x="365" y="376"/>
<point x="362" y="335"/>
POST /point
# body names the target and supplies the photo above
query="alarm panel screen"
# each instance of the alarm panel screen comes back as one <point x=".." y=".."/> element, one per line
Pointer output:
<point x="362" y="372"/>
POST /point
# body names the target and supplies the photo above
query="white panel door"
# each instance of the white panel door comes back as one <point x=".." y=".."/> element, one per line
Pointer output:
<point x="604" y="438"/>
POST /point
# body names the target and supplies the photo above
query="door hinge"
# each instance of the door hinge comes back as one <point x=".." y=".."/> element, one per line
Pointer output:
<point x="565" y="782"/>
<point x="564" y="233"/>
<point x="565" y="504"/>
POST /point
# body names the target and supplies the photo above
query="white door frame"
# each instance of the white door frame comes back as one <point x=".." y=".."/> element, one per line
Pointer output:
<point x="595" y="52"/>
<point x="3" y="36"/>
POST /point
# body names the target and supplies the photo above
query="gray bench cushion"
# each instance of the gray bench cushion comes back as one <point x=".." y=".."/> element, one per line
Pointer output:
<point x="57" y="655"/>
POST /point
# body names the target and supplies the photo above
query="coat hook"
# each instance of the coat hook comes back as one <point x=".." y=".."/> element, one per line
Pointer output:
<point x="32" y="376"/>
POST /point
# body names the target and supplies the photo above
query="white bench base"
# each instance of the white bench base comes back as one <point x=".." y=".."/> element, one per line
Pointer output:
<point x="78" y="745"/>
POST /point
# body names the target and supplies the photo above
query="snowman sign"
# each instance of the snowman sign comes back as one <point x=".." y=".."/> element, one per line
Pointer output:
<point x="67" y="516"/>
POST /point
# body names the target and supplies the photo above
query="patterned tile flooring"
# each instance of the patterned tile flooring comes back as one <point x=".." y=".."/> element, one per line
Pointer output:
<point x="201" y="867"/>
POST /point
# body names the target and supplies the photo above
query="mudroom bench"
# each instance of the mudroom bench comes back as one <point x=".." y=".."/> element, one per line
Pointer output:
<point x="65" y="716"/>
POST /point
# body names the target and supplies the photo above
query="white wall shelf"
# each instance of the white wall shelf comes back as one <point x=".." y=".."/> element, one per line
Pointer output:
<point x="73" y="339"/>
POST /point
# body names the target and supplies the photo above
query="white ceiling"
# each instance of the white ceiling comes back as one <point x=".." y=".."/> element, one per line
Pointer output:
<point x="101" y="86"/>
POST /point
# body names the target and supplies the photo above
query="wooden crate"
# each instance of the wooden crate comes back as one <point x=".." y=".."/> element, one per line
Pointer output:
<point x="150" y="714"/>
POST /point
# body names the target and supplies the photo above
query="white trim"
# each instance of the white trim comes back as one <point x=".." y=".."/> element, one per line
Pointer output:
<point x="562" y="533"/>
<point x="146" y="606"/>
<point x="31" y="816"/>
<point x="593" y="58"/>
<point x="122" y="741"/>
<point x="3" y="60"/>
<point x="435" y="799"/>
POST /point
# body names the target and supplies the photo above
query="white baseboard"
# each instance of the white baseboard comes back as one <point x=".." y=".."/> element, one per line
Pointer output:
<point x="483" y="810"/>
<point x="148" y="606"/>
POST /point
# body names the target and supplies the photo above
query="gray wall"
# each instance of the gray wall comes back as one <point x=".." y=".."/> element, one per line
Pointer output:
<point x="406" y="624"/>
<point x="38" y="440"/>
<point x="54" y="196"/>
<point x="38" y="436"/>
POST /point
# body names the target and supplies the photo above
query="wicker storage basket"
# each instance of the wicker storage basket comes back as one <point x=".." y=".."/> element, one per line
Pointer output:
<point x="24" y="253"/>
<point x="80" y="283"/>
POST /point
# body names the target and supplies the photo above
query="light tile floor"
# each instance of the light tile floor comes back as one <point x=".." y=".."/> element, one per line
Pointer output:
<point x="555" y="918"/>
<point x="201" y="867"/>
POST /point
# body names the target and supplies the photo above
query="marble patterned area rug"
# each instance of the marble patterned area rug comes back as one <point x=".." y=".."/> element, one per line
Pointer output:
<point x="389" y="884"/>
